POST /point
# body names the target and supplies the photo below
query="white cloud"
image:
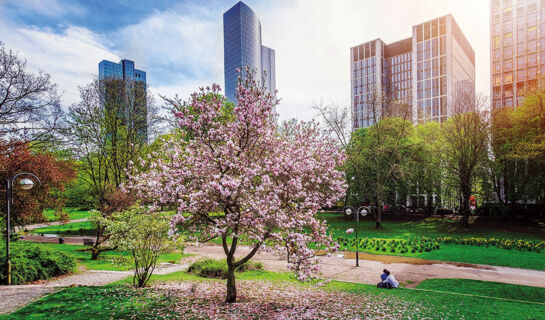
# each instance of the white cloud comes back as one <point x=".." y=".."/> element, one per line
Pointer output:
<point x="175" y="49"/>
<point x="71" y="57"/>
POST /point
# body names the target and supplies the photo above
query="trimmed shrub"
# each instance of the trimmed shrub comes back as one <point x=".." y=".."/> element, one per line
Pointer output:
<point x="208" y="268"/>
<point x="250" y="265"/>
<point x="211" y="268"/>
<point x="31" y="262"/>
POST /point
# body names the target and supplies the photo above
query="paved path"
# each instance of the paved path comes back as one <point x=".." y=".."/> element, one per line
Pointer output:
<point x="411" y="270"/>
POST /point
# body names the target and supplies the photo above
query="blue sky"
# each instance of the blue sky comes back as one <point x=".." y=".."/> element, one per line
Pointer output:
<point x="180" y="43"/>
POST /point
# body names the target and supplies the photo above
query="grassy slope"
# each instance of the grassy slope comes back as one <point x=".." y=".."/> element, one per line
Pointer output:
<point x="431" y="228"/>
<point x="118" y="301"/>
<point x="74" y="228"/>
<point x="73" y="213"/>
<point x="105" y="259"/>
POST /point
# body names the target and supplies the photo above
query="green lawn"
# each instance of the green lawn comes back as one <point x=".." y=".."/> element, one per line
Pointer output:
<point x="432" y="227"/>
<point x="106" y="259"/>
<point x="485" y="288"/>
<point x="73" y="213"/>
<point x="119" y="301"/>
<point x="448" y="252"/>
<point x="74" y="228"/>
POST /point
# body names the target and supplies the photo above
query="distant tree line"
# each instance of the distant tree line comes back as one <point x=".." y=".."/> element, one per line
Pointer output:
<point x="493" y="158"/>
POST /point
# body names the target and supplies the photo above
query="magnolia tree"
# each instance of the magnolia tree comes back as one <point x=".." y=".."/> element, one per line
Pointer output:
<point x="237" y="176"/>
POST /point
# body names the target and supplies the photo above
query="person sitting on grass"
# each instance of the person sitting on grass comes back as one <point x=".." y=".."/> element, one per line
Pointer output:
<point x="383" y="276"/>
<point x="390" y="281"/>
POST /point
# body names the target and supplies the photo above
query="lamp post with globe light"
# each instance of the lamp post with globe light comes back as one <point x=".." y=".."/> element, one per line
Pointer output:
<point x="363" y="211"/>
<point x="26" y="184"/>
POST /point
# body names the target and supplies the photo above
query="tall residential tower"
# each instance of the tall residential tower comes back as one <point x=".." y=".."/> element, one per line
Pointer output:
<point x="242" y="48"/>
<point x="423" y="71"/>
<point x="517" y="44"/>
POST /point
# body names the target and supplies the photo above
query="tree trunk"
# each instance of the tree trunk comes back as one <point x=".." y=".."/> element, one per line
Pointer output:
<point x="231" y="286"/>
<point x="464" y="206"/>
<point x="378" y="220"/>
<point x="94" y="253"/>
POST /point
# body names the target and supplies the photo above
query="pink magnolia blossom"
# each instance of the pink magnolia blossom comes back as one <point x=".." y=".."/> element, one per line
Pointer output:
<point x="237" y="174"/>
<point x="349" y="231"/>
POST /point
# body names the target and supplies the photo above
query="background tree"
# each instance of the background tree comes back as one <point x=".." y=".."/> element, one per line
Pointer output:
<point x="29" y="103"/>
<point x="376" y="153"/>
<point x="465" y="144"/>
<point x="116" y="201"/>
<point x="54" y="173"/>
<point x="145" y="235"/>
<point x="239" y="178"/>
<point x="108" y="130"/>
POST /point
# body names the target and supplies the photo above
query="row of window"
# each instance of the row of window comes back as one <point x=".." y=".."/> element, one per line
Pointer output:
<point x="522" y="62"/>
<point x="508" y="38"/>
<point x="431" y="88"/>
<point x="521" y="75"/>
<point x="431" y="68"/>
<point x="431" y="48"/>
<point x="431" y="29"/>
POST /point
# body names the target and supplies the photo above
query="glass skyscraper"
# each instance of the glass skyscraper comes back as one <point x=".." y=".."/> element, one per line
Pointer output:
<point x="123" y="70"/>
<point x="517" y="44"/>
<point x="136" y="79"/>
<point x="242" y="48"/>
<point x="423" y="71"/>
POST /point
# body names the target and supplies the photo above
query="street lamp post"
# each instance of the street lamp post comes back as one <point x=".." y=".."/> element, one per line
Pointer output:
<point x="25" y="184"/>
<point x="361" y="211"/>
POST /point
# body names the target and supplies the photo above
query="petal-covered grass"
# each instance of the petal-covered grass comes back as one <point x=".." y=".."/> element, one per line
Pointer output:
<point x="267" y="295"/>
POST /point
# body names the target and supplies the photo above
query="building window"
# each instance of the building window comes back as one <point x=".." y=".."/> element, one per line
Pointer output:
<point x="532" y="59"/>
<point x="497" y="67"/>
<point x="508" y="39"/>
<point x="508" y="52"/>
<point x="508" y="65"/>
<point x="520" y="62"/>
<point x="508" y="77"/>
<point x="532" y="32"/>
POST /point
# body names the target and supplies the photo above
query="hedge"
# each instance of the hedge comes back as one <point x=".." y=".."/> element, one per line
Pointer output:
<point x="31" y="262"/>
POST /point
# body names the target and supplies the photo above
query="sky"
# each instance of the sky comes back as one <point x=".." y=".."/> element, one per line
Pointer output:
<point x="180" y="43"/>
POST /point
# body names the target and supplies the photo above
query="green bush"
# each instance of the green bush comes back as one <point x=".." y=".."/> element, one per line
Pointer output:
<point x="31" y="262"/>
<point x="208" y="268"/>
<point x="211" y="268"/>
<point x="250" y="265"/>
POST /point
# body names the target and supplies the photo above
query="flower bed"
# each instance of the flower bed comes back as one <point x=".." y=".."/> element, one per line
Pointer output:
<point x="426" y="244"/>
<point x="537" y="246"/>
<point x="389" y="245"/>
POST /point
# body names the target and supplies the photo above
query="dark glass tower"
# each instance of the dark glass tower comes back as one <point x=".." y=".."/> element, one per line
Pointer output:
<point x="242" y="48"/>
<point x="135" y="87"/>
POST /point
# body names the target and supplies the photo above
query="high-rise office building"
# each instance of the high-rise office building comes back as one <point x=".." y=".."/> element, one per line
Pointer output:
<point x="242" y="48"/>
<point x="423" y="71"/>
<point x="135" y="90"/>
<point x="517" y="44"/>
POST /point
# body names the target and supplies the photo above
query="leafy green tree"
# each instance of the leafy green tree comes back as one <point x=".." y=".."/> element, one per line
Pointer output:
<point x="145" y="235"/>
<point x="464" y="147"/>
<point x="376" y="159"/>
